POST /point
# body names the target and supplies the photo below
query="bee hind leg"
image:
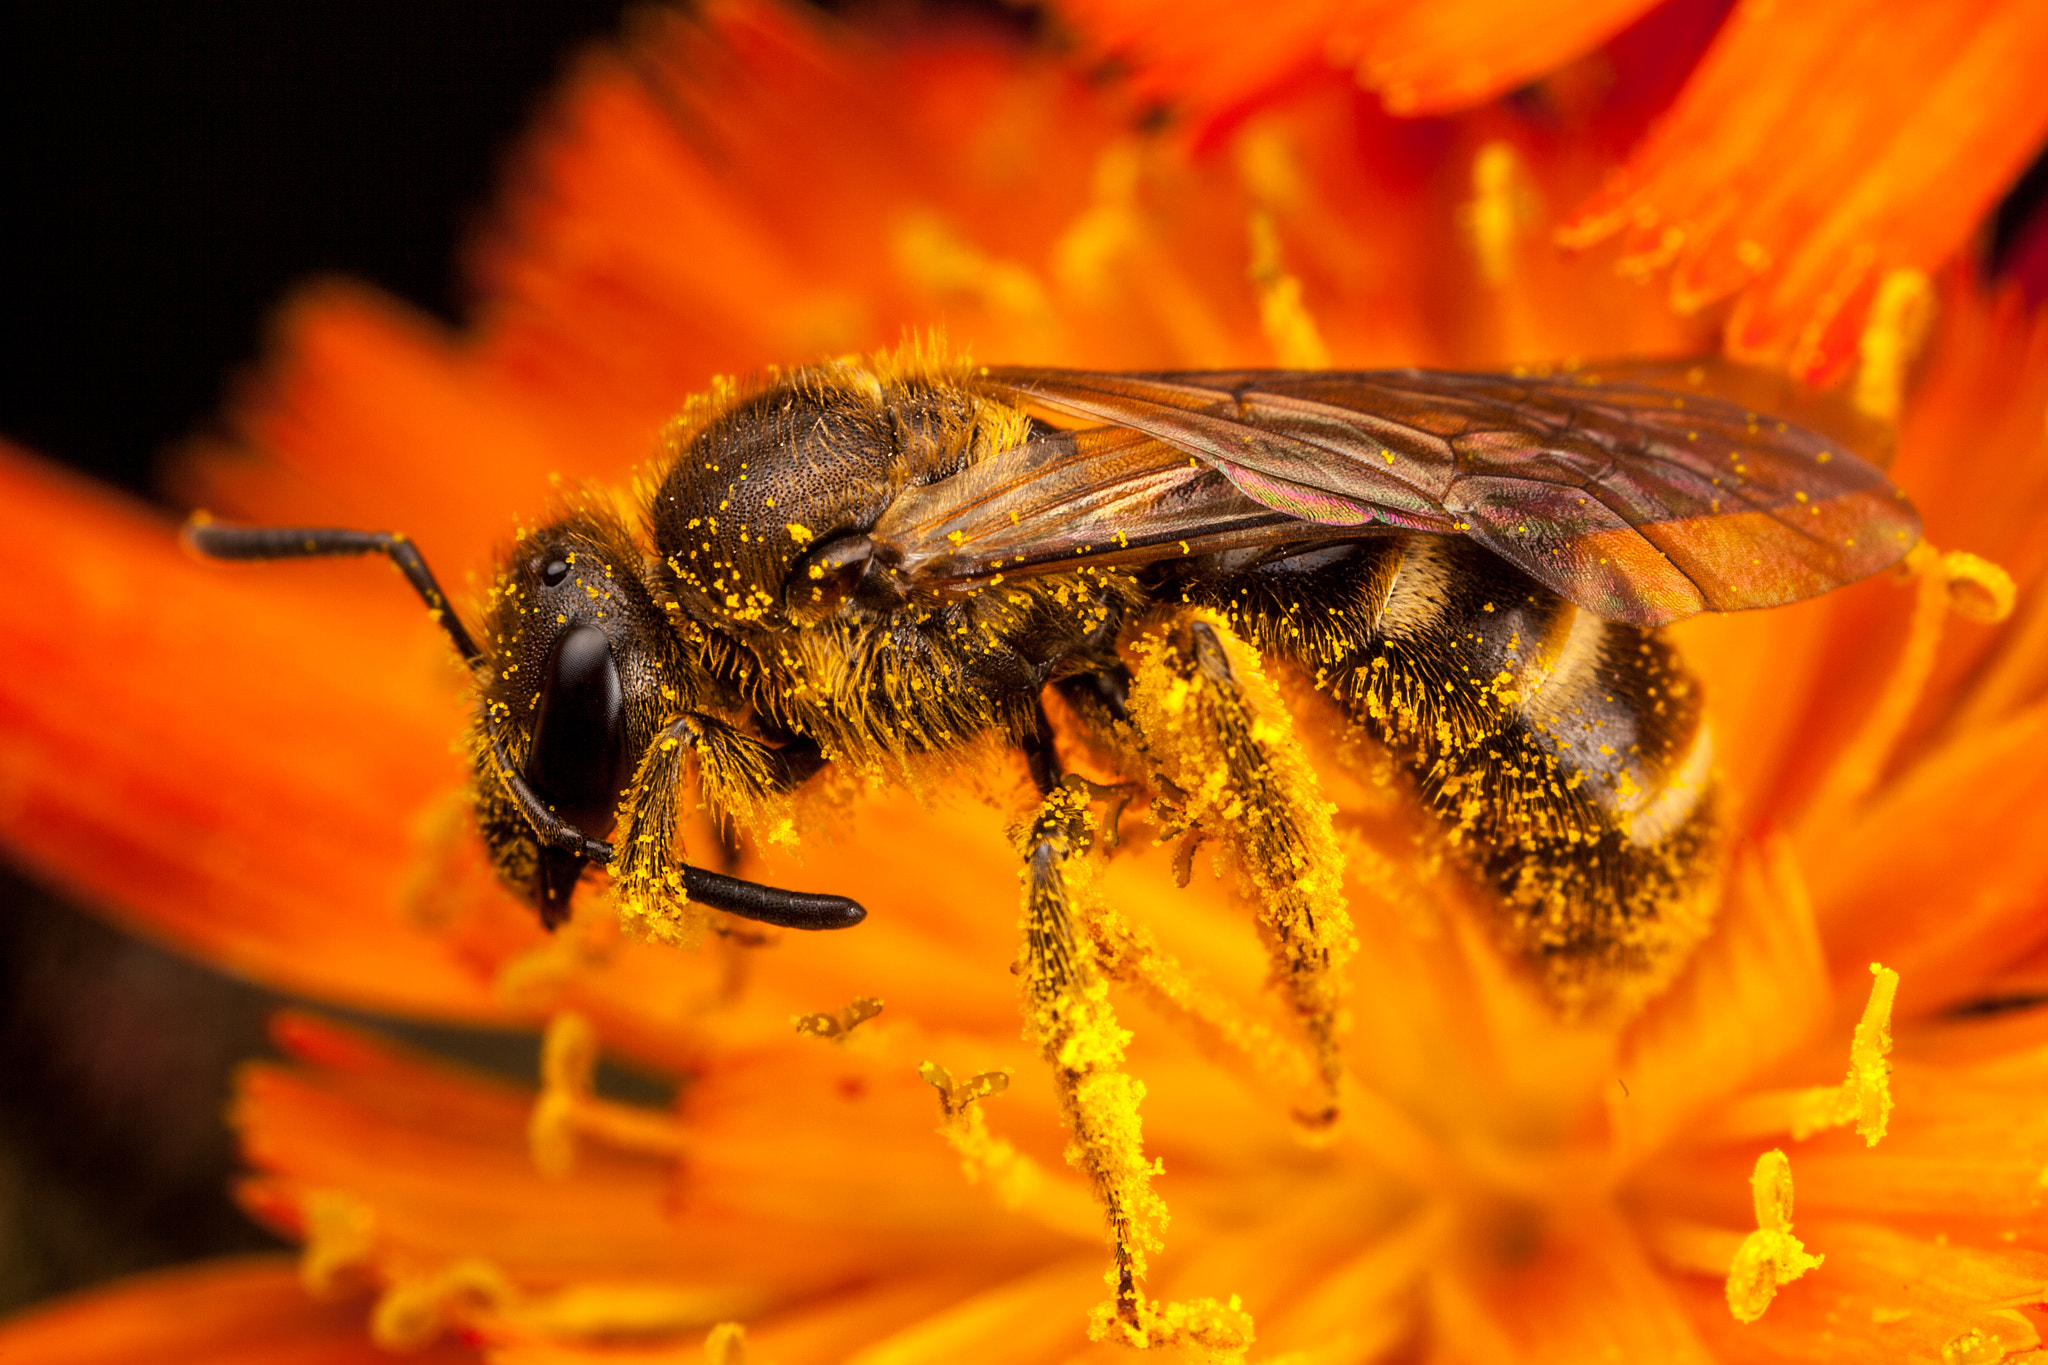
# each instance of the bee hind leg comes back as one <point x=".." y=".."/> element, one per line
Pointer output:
<point x="743" y="781"/>
<point x="1070" y="1018"/>
<point x="1224" y="742"/>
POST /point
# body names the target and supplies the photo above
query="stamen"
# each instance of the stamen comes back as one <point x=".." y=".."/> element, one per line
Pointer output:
<point x="1207" y="1332"/>
<point x="1864" y="1097"/>
<point x="1019" y="1184"/>
<point x="538" y="977"/>
<point x="1972" y="587"/>
<point x="1500" y="212"/>
<point x="1901" y="316"/>
<point x="1771" y="1257"/>
<point x="837" y="1026"/>
<point x="1110" y="255"/>
<point x="568" y="1108"/>
<point x="414" y="1312"/>
<point x="341" y="1233"/>
<point x="1284" y="318"/>
<point x="726" y="1345"/>
<point x="1132" y="957"/>
<point x="933" y="255"/>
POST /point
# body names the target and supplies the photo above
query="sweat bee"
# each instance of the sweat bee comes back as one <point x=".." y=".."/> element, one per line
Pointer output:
<point x="868" y="561"/>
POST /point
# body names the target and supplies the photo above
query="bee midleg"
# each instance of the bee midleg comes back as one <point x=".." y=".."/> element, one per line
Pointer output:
<point x="1221" y="734"/>
<point x="742" y="783"/>
<point x="1070" y="1018"/>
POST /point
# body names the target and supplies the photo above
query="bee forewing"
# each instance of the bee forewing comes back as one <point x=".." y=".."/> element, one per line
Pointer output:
<point x="1105" y="494"/>
<point x="1639" y="503"/>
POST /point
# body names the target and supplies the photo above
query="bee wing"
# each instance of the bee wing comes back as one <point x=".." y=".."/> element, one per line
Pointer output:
<point x="1101" y="495"/>
<point x="1639" y="503"/>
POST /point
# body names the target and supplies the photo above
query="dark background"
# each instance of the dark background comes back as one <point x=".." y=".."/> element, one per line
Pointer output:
<point x="170" y="170"/>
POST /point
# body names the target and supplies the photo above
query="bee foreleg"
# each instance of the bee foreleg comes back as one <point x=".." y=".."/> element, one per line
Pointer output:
<point x="548" y="827"/>
<point x="1071" y="1021"/>
<point x="1223" y="738"/>
<point x="742" y="781"/>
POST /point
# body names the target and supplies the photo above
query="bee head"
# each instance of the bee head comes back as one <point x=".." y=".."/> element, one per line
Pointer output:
<point x="576" y="645"/>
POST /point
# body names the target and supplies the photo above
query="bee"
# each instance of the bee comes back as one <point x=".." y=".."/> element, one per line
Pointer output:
<point x="870" y="562"/>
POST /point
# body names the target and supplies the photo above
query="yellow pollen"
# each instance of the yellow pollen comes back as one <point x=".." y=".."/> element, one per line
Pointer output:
<point x="837" y="1026"/>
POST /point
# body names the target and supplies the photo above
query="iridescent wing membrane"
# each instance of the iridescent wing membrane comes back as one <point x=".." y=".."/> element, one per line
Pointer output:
<point x="1637" y="502"/>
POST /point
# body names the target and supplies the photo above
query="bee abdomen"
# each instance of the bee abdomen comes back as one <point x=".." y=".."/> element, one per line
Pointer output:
<point x="1564" y="757"/>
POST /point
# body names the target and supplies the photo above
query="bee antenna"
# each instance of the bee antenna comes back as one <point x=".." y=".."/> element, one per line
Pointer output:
<point x="769" y="904"/>
<point x="217" y="541"/>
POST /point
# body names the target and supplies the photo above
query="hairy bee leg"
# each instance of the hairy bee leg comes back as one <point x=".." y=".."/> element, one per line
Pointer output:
<point x="1041" y="758"/>
<point x="738" y="775"/>
<point x="1071" y="1021"/>
<point x="1228" y="743"/>
<point x="551" y="829"/>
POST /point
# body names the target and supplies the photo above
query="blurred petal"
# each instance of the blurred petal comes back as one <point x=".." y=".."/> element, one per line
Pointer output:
<point x="250" y="1312"/>
<point x="1819" y="147"/>
<point x="260" y="809"/>
<point x="1421" y="57"/>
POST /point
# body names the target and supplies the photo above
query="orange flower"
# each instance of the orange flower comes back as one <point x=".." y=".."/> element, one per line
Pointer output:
<point x="259" y="766"/>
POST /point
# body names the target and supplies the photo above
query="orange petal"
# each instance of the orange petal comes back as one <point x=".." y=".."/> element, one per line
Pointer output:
<point x="245" y="1312"/>
<point x="1819" y="146"/>
<point x="1590" y="1294"/>
<point x="769" y="1203"/>
<point x="1891" y="888"/>
<point x="233" y="760"/>
<point x="1422" y="57"/>
<point x="1962" y="1151"/>
<point x="1881" y="1296"/>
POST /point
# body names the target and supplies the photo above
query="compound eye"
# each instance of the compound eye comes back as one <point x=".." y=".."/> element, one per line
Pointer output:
<point x="554" y="573"/>
<point x="578" y="763"/>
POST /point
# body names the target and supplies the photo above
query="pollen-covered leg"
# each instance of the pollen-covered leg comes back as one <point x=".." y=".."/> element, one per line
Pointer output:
<point x="743" y="781"/>
<point x="1071" y="1021"/>
<point x="1219" y="733"/>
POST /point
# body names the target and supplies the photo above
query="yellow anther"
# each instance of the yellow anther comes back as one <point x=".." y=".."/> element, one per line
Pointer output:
<point x="413" y="1313"/>
<point x="726" y="1345"/>
<point x="1284" y="318"/>
<point x="341" y="1234"/>
<point x="1978" y="590"/>
<point x="838" y="1025"/>
<point x="567" y="1108"/>
<point x="1901" y="316"/>
<point x="1864" y="1097"/>
<point x="1500" y="212"/>
<point x="1771" y="1257"/>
